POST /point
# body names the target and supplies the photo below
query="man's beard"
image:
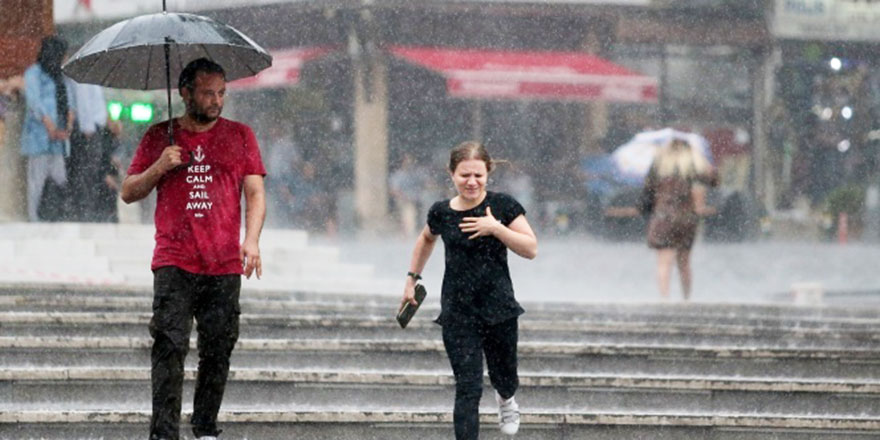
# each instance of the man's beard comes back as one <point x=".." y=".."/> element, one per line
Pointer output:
<point x="202" y="117"/>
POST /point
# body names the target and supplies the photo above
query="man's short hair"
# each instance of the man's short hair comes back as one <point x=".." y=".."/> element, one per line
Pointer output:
<point x="203" y="65"/>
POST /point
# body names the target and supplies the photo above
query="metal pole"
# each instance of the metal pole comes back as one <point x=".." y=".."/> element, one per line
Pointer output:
<point x="163" y="5"/>
<point x="168" y="89"/>
<point x="763" y="181"/>
<point x="663" y="96"/>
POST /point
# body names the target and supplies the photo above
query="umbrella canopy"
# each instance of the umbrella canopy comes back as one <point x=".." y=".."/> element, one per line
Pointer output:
<point x="633" y="159"/>
<point x="147" y="51"/>
<point x="131" y="54"/>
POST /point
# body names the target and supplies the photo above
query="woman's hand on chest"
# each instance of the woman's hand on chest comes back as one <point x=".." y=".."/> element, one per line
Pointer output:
<point x="483" y="226"/>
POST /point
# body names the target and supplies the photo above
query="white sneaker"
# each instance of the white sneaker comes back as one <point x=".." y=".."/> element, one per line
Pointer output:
<point x="207" y="437"/>
<point x="508" y="414"/>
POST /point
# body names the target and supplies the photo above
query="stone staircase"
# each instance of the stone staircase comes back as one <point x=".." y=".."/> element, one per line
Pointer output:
<point x="118" y="255"/>
<point x="75" y="365"/>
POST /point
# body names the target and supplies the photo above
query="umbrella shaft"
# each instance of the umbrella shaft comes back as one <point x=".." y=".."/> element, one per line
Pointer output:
<point x="168" y="90"/>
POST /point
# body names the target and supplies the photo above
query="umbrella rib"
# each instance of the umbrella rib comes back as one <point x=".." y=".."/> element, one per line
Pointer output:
<point x="149" y="61"/>
<point x="121" y="31"/>
<point x="208" y="54"/>
<point x="180" y="59"/>
<point x="241" y="62"/>
<point x="110" y="71"/>
<point x="91" y="65"/>
<point x="94" y="58"/>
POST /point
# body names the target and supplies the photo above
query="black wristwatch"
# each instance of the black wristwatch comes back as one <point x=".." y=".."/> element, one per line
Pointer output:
<point x="414" y="275"/>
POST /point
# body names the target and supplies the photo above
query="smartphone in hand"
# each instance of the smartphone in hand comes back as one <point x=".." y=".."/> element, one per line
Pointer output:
<point x="408" y="310"/>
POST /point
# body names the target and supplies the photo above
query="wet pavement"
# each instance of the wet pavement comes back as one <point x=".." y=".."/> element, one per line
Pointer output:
<point x="584" y="269"/>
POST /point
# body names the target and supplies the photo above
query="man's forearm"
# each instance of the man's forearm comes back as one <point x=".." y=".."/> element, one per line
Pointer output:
<point x="255" y="215"/>
<point x="138" y="186"/>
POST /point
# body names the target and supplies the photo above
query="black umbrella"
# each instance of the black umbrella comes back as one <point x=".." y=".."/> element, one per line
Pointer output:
<point x="146" y="51"/>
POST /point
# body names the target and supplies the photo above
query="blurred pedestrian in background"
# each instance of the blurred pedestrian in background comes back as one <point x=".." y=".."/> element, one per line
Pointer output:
<point x="479" y="313"/>
<point x="674" y="201"/>
<point x="282" y="162"/>
<point x="48" y="122"/>
<point x="92" y="174"/>
<point x="405" y="185"/>
<point x="307" y="203"/>
<point x="10" y="89"/>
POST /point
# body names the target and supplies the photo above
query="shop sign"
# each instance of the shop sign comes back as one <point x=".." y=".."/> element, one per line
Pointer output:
<point x="828" y="20"/>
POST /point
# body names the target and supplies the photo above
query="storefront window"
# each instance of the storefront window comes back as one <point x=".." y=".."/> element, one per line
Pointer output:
<point x="697" y="83"/>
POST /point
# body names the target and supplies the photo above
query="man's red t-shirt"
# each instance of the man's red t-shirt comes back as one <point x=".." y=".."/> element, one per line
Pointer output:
<point x="198" y="209"/>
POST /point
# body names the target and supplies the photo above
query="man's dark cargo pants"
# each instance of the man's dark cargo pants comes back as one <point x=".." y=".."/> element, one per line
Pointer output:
<point x="178" y="297"/>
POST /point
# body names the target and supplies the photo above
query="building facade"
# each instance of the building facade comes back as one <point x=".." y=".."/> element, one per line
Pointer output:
<point x="824" y="136"/>
<point x="23" y="24"/>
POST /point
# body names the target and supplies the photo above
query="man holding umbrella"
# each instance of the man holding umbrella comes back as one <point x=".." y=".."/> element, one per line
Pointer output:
<point x="198" y="261"/>
<point x="199" y="164"/>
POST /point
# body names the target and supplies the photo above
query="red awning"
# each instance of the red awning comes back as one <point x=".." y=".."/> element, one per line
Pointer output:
<point x="286" y="65"/>
<point x="472" y="73"/>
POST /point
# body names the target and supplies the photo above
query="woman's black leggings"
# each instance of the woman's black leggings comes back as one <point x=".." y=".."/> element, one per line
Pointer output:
<point x="465" y="344"/>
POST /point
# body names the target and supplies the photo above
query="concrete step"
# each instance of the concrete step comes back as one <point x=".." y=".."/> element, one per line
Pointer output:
<point x="61" y="254"/>
<point x="311" y="253"/>
<point x="131" y="252"/>
<point x="307" y="423"/>
<point x="120" y="285"/>
<point x="275" y="282"/>
<point x="53" y="264"/>
<point x="436" y="361"/>
<point x="317" y="269"/>
<point x="38" y="276"/>
<point x="126" y="232"/>
<point x="52" y="248"/>
<point x="106" y="388"/>
<point x="743" y="314"/>
<point x="526" y="348"/>
<point x="278" y="275"/>
<point x="125" y="250"/>
<point x="7" y="249"/>
<point x="132" y="268"/>
<point x="11" y="231"/>
<point x="282" y="239"/>
<point x="313" y="326"/>
<point x="371" y="305"/>
<point x="57" y="263"/>
<point x="556" y="358"/>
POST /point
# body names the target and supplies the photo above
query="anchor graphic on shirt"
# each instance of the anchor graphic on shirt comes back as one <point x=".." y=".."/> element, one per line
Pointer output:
<point x="199" y="155"/>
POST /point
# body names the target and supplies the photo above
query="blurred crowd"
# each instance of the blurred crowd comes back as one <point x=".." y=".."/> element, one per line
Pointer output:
<point x="70" y="143"/>
<point x="311" y="191"/>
